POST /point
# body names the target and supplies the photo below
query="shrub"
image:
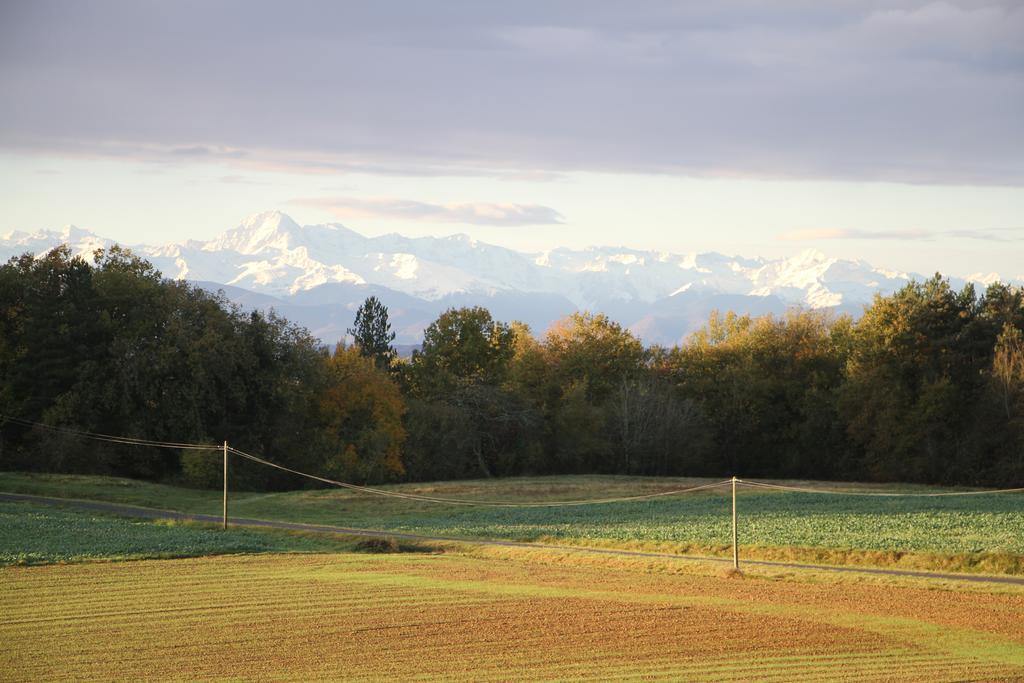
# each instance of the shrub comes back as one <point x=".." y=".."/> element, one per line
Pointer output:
<point x="202" y="470"/>
<point x="378" y="545"/>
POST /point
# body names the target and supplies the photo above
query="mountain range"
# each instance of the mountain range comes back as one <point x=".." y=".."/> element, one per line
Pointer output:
<point x="317" y="275"/>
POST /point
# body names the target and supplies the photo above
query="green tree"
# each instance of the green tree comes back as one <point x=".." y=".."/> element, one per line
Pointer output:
<point x="437" y="434"/>
<point x="50" y="327"/>
<point x="589" y="348"/>
<point x="1008" y="379"/>
<point x="765" y="387"/>
<point x="913" y="375"/>
<point x="372" y="332"/>
<point x="580" y="443"/>
<point x="653" y="430"/>
<point x="464" y="346"/>
<point x="115" y="348"/>
<point x="464" y="364"/>
<point x="1008" y="370"/>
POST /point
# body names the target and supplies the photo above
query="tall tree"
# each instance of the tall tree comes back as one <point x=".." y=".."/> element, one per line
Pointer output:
<point x="362" y="409"/>
<point x="463" y="346"/>
<point x="761" y="383"/>
<point x="1008" y="368"/>
<point x="464" y="364"/>
<point x="913" y="376"/>
<point x="597" y="350"/>
<point x="373" y="334"/>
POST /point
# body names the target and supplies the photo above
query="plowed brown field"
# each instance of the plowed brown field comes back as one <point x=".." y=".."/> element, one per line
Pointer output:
<point x="409" y="616"/>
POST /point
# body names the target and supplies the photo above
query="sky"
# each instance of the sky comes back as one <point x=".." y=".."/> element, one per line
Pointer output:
<point x="891" y="132"/>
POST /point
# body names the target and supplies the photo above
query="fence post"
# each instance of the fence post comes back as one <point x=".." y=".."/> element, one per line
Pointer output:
<point x="225" y="484"/>
<point x="735" y="545"/>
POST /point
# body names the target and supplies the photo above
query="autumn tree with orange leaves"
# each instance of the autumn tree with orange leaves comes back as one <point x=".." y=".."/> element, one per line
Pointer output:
<point x="362" y="410"/>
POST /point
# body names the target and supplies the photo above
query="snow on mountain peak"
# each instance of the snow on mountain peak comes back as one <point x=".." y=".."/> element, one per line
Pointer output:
<point x="808" y="257"/>
<point x="982" y="278"/>
<point x="404" y="266"/>
<point x="271" y="254"/>
<point x="625" y="259"/>
<point x="257" y="233"/>
<point x="72" y="233"/>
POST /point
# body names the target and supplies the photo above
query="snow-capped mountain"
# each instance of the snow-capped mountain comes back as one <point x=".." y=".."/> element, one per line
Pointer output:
<point x="318" y="274"/>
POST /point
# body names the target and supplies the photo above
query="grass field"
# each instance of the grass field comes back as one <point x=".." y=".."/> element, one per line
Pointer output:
<point x="495" y="615"/>
<point x="37" y="534"/>
<point x="455" y="611"/>
<point x="976" y="533"/>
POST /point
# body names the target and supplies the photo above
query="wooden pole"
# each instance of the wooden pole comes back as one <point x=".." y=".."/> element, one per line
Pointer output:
<point x="225" y="484"/>
<point x="735" y="545"/>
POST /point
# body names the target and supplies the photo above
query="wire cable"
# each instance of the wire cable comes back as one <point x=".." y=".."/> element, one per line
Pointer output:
<point x="477" y="503"/>
<point x="130" y="441"/>
<point x="886" y="494"/>
<point x="109" y="438"/>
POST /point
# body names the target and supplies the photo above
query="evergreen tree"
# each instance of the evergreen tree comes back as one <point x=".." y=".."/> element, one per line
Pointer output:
<point x="372" y="332"/>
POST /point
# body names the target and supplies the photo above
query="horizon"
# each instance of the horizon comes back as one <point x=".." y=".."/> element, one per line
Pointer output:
<point x="978" y="277"/>
<point x="317" y="275"/>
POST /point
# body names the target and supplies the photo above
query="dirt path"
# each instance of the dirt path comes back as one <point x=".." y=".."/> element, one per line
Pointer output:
<point x="152" y="513"/>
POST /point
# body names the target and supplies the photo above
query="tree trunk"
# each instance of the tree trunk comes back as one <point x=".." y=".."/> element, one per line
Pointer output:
<point x="479" y="452"/>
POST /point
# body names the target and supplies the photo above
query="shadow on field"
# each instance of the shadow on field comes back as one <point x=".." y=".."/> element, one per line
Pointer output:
<point x="391" y="545"/>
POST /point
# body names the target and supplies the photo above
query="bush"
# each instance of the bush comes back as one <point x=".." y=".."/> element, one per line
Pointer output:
<point x="378" y="545"/>
<point x="202" y="469"/>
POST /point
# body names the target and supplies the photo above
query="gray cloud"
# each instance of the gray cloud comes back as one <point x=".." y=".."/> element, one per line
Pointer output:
<point x="203" y="151"/>
<point x="507" y="215"/>
<point x="989" y="235"/>
<point x="908" y="91"/>
<point x="194" y="151"/>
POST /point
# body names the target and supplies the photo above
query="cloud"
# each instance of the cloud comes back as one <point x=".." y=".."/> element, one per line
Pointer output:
<point x="234" y="179"/>
<point x="193" y="151"/>
<point x="922" y="92"/>
<point x="848" y="234"/>
<point x="990" y="235"/>
<point x="504" y="215"/>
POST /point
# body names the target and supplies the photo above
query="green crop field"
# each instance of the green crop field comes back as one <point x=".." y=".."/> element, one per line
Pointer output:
<point x="38" y="534"/>
<point x="979" y="533"/>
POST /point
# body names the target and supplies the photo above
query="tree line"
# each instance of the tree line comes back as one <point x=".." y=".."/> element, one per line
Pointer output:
<point x="927" y="386"/>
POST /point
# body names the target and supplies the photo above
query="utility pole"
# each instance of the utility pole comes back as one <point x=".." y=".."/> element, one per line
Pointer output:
<point x="225" y="489"/>
<point x="735" y="545"/>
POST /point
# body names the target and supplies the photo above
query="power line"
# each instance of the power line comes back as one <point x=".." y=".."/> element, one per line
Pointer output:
<point x="110" y="438"/>
<point x="131" y="441"/>
<point x="893" y="494"/>
<point x="478" y="503"/>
